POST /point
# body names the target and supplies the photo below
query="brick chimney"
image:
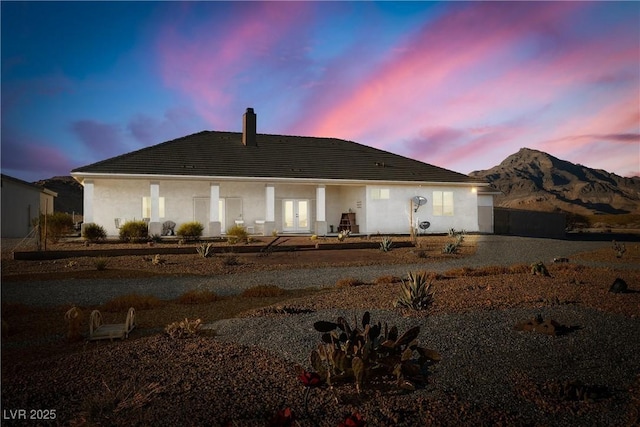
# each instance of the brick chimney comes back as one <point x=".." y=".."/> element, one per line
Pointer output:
<point x="249" y="128"/>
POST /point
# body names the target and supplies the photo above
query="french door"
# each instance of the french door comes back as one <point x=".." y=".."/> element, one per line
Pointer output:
<point x="295" y="215"/>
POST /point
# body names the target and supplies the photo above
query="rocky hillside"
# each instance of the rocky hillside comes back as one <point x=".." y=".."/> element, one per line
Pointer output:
<point x="535" y="180"/>
<point x="70" y="193"/>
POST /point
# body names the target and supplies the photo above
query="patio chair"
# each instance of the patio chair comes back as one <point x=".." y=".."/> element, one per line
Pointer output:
<point x="101" y="331"/>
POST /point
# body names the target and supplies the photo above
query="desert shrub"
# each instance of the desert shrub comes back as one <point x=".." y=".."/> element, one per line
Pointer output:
<point x="229" y="259"/>
<point x="93" y="233"/>
<point x="134" y="231"/>
<point x="198" y="296"/>
<point x="263" y="291"/>
<point x="157" y="260"/>
<point x="101" y="263"/>
<point x="237" y="234"/>
<point x="139" y="302"/>
<point x="519" y="268"/>
<point x="415" y="292"/>
<point x="183" y="329"/>
<point x="349" y="282"/>
<point x="387" y="280"/>
<point x="618" y="248"/>
<point x="539" y="269"/>
<point x="57" y="225"/>
<point x="190" y="230"/>
<point x="421" y="253"/>
<point x="156" y="238"/>
<point x="73" y="318"/>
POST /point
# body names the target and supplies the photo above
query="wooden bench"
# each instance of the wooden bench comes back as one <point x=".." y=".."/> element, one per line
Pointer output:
<point x="101" y="331"/>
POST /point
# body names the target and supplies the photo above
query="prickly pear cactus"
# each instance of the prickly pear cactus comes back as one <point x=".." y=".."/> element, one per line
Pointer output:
<point x="367" y="351"/>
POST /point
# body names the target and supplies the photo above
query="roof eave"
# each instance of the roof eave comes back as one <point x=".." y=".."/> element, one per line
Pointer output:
<point x="81" y="176"/>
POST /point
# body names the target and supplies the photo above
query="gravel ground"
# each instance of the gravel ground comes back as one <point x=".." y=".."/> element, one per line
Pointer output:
<point x="490" y="374"/>
<point x="491" y="250"/>
<point x="484" y="358"/>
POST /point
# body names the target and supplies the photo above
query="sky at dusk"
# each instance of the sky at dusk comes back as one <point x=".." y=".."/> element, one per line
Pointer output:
<point x="455" y="84"/>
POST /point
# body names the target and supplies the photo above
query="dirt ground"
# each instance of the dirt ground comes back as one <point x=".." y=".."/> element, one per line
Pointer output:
<point x="151" y="379"/>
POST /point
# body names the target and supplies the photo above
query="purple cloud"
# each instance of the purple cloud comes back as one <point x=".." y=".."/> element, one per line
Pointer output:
<point x="30" y="159"/>
<point x="101" y="139"/>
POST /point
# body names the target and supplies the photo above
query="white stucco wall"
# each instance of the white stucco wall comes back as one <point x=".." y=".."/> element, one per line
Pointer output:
<point x="395" y="215"/>
<point x="188" y="200"/>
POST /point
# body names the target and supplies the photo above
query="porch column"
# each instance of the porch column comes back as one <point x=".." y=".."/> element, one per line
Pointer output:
<point x="154" y="221"/>
<point x="321" y="216"/>
<point x="270" y="209"/>
<point x="215" y="226"/>
<point x="87" y="206"/>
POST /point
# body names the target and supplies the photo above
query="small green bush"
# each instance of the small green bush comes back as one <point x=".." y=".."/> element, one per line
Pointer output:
<point x="57" y="224"/>
<point x="263" y="291"/>
<point x="134" y="231"/>
<point x="183" y="329"/>
<point x="93" y="233"/>
<point x="229" y="259"/>
<point x="349" y="282"/>
<point x="101" y="263"/>
<point x="190" y="230"/>
<point x="198" y="296"/>
<point x="237" y="234"/>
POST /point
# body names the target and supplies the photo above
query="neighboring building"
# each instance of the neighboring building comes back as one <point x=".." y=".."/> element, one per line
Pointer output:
<point x="286" y="183"/>
<point x="22" y="202"/>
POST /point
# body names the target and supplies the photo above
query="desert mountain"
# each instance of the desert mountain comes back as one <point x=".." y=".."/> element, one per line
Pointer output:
<point x="534" y="180"/>
<point x="70" y="193"/>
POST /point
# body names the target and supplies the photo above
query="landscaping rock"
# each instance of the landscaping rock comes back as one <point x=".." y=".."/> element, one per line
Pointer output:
<point x="619" y="286"/>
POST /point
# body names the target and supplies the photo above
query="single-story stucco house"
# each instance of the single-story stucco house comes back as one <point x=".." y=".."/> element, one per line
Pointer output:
<point x="290" y="184"/>
<point x="22" y="203"/>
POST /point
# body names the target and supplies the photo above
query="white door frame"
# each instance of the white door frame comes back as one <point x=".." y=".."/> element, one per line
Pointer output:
<point x="300" y="220"/>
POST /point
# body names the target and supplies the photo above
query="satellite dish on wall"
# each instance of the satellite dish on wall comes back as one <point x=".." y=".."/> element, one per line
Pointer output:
<point x="424" y="225"/>
<point x="418" y="201"/>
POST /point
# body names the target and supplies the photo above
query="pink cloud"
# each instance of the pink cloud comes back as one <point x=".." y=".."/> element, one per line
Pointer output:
<point x="31" y="159"/>
<point x="435" y="66"/>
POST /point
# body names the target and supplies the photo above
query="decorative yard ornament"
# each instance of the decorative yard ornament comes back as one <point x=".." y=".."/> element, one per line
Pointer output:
<point x="418" y="201"/>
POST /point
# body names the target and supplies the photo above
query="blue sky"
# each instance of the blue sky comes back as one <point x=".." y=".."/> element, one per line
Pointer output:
<point x="459" y="85"/>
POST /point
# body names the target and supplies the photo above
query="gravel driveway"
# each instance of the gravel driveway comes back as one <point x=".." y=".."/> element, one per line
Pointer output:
<point x="491" y="250"/>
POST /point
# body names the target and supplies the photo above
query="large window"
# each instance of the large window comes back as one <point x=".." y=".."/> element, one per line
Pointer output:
<point x="379" y="193"/>
<point x="443" y="203"/>
<point x="146" y="207"/>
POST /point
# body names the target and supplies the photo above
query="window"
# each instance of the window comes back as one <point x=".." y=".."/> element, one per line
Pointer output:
<point x="443" y="203"/>
<point x="379" y="193"/>
<point x="146" y="207"/>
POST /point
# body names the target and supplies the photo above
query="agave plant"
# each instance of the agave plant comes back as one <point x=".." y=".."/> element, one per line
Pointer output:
<point x="386" y="244"/>
<point x="205" y="250"/>
<point x="450" y="248"/>
<point x="415" y="292"/>
<point x="351" y="353"/>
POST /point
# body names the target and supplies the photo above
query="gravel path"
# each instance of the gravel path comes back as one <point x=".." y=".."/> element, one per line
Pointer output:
<point x="482" y="355"/>
<point x="491" y="250"/>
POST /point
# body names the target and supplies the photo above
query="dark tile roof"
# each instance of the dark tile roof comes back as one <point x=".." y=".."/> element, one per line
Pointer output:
<point x="222" y="154"/>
